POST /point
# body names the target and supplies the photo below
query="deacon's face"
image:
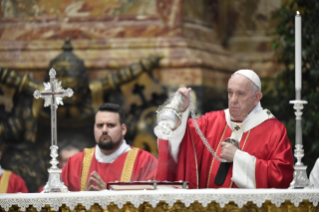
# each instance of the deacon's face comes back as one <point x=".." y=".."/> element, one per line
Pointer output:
<point x="241" y="97"/>
<point x="108" y="131"/>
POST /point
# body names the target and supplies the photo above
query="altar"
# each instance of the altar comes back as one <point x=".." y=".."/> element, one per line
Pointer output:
<point x="166" y="200"/>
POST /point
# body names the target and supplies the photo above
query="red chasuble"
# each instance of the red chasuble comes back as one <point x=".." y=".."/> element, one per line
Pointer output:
<point x="14" y="185"/>
<point x="144" y="169"/>
<point x="268" y="142"/>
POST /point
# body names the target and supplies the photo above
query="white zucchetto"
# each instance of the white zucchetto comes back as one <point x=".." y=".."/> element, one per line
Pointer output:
<point x="250" y="74"/>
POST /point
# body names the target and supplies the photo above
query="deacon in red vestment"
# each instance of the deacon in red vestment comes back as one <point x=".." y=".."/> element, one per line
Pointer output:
<point x="264" y="158"/>
<point x="112" y="158"/>
<point x="10" y="182"/>
<point x="143" y="169"/>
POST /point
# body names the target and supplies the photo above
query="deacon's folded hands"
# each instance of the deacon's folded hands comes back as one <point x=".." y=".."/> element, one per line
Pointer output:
<point x="95" y="182"/>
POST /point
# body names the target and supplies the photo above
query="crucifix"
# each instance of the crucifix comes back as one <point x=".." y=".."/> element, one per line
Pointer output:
<point x="52" y="95"/>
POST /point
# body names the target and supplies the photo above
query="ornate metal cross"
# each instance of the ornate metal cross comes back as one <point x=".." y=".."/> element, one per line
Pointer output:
<point x="52" y="95"/>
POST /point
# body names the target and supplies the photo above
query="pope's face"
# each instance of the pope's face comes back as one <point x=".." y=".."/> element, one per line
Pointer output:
<point x="108" y="131"/>
<point x="241" y="97"/>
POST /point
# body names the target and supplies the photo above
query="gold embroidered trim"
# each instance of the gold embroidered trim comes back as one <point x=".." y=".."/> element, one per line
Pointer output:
<point x="86" y="164"/>
<point x="197" y="178"/>
<point x="231" y="184"/>
<point x="4" y="182"/>
<point x="245" y="140"/>
<point x="157" y="143"/>
<point x="255" y="175"/>
<point x="128" y="165"/>
<point x="211" y="166"/>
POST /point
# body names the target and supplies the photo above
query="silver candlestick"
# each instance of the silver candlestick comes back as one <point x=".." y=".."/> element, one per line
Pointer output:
<point x="52" y="95"/>
<point x="300" y="175"/>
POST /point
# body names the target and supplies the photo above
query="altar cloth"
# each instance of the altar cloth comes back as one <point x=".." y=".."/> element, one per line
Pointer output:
<point x="153" y="197"/>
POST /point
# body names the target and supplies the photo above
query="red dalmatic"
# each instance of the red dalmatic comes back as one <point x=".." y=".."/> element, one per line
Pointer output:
<point x="144" y="169"/>
<point x="12" y="183"/>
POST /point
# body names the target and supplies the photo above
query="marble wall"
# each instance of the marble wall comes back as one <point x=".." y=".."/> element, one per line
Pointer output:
<point x="105" y="33"/>
<point x="220" y="35"/>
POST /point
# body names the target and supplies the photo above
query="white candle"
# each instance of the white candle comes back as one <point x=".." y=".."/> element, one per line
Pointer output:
<point x="298" y="51"/>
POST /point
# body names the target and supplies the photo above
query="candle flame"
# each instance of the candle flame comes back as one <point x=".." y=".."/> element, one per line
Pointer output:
<point x="298" y="13"/>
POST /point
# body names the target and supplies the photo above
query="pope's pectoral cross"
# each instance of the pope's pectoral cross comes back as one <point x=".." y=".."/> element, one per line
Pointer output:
<point x="52" y="95"/>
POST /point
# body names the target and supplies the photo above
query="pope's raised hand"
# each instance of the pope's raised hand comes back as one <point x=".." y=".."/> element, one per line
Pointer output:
<point x="95" y="183"/>
<point x="185" y="92"/>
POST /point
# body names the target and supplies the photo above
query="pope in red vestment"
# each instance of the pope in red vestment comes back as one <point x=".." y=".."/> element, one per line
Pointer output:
<point x="112" y="159"/>
<point x="264" y="157"/>
<point x="11" y="183"/>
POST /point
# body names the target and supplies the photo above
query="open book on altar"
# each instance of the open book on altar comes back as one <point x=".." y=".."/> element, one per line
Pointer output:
<point x="146" y="185"/>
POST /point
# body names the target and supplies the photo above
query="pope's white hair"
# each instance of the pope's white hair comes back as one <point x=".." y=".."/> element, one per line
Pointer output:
<point x="255" y="88"/>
